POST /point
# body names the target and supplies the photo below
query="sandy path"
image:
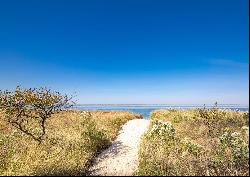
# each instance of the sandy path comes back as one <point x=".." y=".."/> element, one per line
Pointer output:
<point x="121" y="158"/>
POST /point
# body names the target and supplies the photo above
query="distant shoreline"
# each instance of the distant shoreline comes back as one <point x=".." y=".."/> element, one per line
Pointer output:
<point x="145" y="110"/>
<point x="169" y="105"/>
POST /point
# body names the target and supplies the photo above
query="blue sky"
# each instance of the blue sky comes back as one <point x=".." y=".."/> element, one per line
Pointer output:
<point x="161" y="51"/>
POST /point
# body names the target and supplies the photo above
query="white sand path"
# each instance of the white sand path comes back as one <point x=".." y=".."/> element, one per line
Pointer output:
<point x="121" y="158"/>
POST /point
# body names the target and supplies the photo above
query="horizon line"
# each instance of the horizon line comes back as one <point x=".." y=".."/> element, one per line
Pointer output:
<point x="159" y="104"/>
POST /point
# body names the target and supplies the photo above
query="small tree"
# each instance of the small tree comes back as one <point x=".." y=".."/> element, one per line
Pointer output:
<point x="29" y="109"/>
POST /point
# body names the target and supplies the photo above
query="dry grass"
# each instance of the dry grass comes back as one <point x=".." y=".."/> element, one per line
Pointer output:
<point x="196" y="142"/>
<point x="71" y="142"/>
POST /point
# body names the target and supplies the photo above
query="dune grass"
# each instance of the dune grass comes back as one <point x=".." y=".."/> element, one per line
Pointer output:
<point x="196" y="142"/>
<point x="72" y="140"/>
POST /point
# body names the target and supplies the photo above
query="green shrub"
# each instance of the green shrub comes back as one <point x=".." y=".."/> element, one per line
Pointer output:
<point x="232" y="150"/>
<point x="162" y="129"/>
<point x="96" y="138"/>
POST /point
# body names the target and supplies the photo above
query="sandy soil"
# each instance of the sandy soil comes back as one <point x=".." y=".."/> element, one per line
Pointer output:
<point x="121" y="158"/>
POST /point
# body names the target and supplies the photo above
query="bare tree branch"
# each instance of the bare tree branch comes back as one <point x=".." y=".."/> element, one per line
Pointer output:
<point x="29" y="109"/>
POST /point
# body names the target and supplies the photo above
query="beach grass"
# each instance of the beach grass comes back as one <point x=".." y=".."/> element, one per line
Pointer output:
<point x="196" y="142"/>
<point x="71" y="142"/>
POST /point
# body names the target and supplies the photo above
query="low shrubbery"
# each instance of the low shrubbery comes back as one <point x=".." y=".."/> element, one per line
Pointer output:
<point x="69" y="141"/>
<point x="196" y="142"/>
<point x="72" y="140"/>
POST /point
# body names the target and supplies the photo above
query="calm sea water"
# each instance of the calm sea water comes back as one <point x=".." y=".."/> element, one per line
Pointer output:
<point x="146" y="109"/>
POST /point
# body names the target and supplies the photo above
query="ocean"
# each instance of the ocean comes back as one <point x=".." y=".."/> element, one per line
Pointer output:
<point x="146" y="109"/>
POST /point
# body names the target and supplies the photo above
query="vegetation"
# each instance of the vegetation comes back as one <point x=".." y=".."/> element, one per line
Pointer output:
<point x="40" y="136"/>
<point x="196" y="142"/>
<point x="72" y="137"/>
<point x="29" y="109"/>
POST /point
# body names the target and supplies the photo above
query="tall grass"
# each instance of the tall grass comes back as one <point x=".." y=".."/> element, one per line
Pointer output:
<point x="72" y="140"/>
<point x="196" y="142"/>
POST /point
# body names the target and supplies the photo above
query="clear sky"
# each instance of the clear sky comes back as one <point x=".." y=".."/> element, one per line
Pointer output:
<point x="128" y="51"/>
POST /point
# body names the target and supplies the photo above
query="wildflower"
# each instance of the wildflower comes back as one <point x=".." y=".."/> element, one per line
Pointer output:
<point x="164" y="129"/>
<point x="235" y="134"/>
